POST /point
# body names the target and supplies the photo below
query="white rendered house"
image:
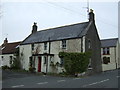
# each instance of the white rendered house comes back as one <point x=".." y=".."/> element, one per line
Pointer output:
<point x="7" y="51"/>
<point x="110" y="54"/>
<point x="41" y="48"/>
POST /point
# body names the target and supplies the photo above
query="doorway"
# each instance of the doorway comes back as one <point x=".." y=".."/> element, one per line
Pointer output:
<point x="39" y="64"/>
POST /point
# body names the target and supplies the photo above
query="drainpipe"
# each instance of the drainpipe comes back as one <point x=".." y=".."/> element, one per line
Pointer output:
<point x="47" y="55"/>
<point x="115" y="58"/>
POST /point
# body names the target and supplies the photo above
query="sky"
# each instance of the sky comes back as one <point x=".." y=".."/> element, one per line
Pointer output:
<point x="18" y="16"/>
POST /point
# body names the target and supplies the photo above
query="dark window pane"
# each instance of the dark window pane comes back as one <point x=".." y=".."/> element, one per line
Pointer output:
<point x="45" y="46"/>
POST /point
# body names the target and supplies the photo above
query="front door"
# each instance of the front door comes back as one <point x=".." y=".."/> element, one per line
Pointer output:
<point x="39" y="64"/>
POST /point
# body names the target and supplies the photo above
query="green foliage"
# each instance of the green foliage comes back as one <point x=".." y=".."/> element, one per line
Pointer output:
<point x="75" y="62"/>
<point x="15" y="64"/>
<point x="5" y="67"/>
<point x="32" y="69"/>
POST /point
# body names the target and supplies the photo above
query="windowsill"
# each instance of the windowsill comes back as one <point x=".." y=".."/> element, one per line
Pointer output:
<point x="64" y="48"/>
<point x="105" y="54"/>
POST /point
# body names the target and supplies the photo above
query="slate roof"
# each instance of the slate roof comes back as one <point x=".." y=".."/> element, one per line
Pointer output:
<point x="58" y="33"/>
<point x="9" y="48"/>
<point x="109" y="42"/>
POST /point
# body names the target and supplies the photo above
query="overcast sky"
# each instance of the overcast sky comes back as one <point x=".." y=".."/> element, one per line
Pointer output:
<point x="17" y="18"/>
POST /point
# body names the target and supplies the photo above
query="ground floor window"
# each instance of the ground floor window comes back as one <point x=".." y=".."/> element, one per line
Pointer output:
<point x="106" y="60"/>
<point x="45" y="59"/>
<point x="11" y="61"/>
<point x="30" y="61"/>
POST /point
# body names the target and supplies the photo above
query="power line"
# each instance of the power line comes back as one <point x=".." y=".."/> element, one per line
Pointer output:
<point x="99" y="20"/>
<point x="65" y="8"/>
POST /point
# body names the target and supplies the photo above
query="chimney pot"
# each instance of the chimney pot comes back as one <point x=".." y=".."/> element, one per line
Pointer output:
<point x="5" y="41"/>
<point x="34" y="28"/>
<point x="91" y="15"/>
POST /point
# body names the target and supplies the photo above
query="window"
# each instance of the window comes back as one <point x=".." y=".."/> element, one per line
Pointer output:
<point x="106" y="51"/>
<point x="45" y="46"/>
<point x="2" y="57"/>
<point x="11" y="60"/>
<point x="45" y="59"/>
<point x="89" y="44"/>
<point x="32" y="46"/>
<point x="106" y="60"/>
<point x="30" y="61"/>
<point x="61" y="62"/>
<point x="63" y="44"/>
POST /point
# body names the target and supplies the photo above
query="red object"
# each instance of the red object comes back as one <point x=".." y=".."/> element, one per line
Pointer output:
<point x="39" y="64"/>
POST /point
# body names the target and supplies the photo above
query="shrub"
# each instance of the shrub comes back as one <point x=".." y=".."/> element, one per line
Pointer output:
<point x="5" y="67"/>
<point x="32" y="69"/>
<point x="75" y="62"/>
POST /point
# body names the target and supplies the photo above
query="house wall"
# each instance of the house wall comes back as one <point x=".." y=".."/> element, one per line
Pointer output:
<point x="93" y="37"/>
<point x="73" y="45"/>
<point x="5" y="60"/>
<point x="118" y="54"/>
<point x="25" y="53"/>
<point x="114" y="59"/>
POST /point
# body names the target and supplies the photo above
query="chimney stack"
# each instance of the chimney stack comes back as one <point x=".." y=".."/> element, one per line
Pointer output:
<point x="34" y="28"/>
<point x="5" y="41"/>
<point x="91" y="16"/>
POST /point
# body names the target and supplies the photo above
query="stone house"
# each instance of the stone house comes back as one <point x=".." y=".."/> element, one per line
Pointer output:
<point x="7" y="51"/>
<point x="41" y="48"/>
<point x="109" y="54"/>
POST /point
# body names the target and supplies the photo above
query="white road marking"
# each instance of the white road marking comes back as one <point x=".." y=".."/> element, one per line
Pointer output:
<point x="43" y="83"/>
<point x="61" y="80"/>
<point x="17" y="86"/>
<point x="96" y="83"/>
<point x="76" y="78"/>
<point x="117" y="76"/>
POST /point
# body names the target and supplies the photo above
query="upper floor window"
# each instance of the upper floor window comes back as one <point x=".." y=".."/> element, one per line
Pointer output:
<point x="32" y="45"/>
<point x="45" y="46"/>
<point x="63" y="44"/>
<point x="106" y="50"/>
<point x="2" y="57"/>
<point x="89" y="44"/>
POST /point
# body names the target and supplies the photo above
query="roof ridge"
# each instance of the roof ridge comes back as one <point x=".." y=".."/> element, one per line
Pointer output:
<point x="109" y="39"/>
<point x="61" y="26"/>
<point x="14" y="42"/>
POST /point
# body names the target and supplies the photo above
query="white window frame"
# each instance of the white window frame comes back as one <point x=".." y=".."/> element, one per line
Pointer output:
<point x="64" y="44"/>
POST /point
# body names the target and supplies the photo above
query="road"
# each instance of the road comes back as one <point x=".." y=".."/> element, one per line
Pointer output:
<point x="107" y="79"/>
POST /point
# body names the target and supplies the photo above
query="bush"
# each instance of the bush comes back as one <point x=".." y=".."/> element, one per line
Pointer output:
<point x="75" y="62"/>
<point x="5" y="67"/>
<point x="32" y="69"/>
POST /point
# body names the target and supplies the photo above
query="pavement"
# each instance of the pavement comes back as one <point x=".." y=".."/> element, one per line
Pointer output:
<point x="107" y="79"/>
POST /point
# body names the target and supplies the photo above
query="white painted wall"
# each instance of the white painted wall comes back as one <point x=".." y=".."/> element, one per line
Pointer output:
<point x="6" y="59"/>
<point x="73" y="45"/>
<point x="113" y="59"/>
<point x="26" y="50"/>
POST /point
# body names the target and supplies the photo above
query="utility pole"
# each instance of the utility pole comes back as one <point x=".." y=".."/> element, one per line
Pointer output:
<point x="87" y="7"/>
